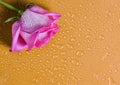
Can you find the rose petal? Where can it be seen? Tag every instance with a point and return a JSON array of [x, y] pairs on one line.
[[17, 41], [21, 44], [32, 21], [45, 37], [54, 16], [30, 39], [38, 9], [26, 36], [33, 39]]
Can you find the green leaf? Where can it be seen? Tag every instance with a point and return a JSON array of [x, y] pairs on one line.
[[10, 19]]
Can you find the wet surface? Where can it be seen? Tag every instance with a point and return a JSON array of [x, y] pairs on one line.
[[84, 52]]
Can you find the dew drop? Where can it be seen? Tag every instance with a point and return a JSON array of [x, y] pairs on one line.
[[82, 53], [105, 56], [101, 37], [54, 57], [111, 81], [78, 52], [72, 15], [52, 80], [61, 47], [96, 76], [6, 53]]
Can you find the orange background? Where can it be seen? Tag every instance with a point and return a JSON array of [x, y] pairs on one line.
[[85, 51]]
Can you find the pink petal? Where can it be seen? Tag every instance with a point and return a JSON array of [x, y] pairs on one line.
[[17, 41], [38, 9], [45, 37], [33, 38], [30, 39], [31, 21], [21, 44], [54, 16], [26, 36]]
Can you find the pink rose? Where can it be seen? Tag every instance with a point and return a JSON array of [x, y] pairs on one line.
[[34, 29]]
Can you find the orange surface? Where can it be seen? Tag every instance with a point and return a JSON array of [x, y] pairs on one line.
[[86, 50]]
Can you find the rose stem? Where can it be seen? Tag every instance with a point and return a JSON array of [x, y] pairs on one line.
[[9, 6]]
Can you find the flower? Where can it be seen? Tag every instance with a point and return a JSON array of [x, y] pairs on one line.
[[34, 29]]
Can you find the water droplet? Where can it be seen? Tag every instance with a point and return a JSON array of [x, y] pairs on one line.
[[115, 70], [111, 81], [105, 56], [68, 31], [81, 53], [72, 61], [31, 60], [47, 61], [58, 39], [62, 76], [64, 37], [68, 14], [50, 72], [55, 56], [61, 47], [119, 20], [88, 36], [52, 80], [53, 45], [80, 5], [35, 80], [85, 17], [96, 76], [62, 53], [106, 48], [17, 69], [65, 20], [78, 52], [38, 55], [72, 15], [101, 37], [88, 48], [91, 4], [6, 53], [72, 74], [27, 52], [19, 54], [55, 68]]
